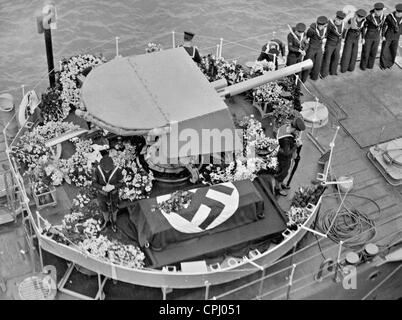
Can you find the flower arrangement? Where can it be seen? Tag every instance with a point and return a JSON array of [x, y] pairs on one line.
[[70, 69], [284, 113], [297, 215], [231, 71], [305, 195], [51, 104], [269, 92], [177, 201], [209, 68], [261, 67], [30, 150], [76, 169], [153, 47], [247, 164], [39, 187], [138, 183], [123, 155], [255, 139], [113, 251]]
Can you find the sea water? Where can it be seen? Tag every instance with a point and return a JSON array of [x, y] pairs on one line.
[[90, 26]]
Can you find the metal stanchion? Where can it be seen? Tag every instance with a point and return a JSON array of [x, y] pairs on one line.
[[173, 40], [117, 47]]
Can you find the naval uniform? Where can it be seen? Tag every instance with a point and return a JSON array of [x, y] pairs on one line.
[[330, 61], [295, 43], [372, 36], [287, 148], [392, 32], [100, 179], [314, 52], [194, 54], [271, 50], [350, 49]]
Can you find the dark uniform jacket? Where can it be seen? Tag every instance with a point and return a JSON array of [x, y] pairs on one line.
[[287, 147], [98, 181], [392, 27], [373, 26], [316, 36], [274, 47], [335, 33], [354, 28], [295, 43]]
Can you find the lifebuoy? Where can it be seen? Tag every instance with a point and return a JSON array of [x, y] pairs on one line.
[[27, 106]]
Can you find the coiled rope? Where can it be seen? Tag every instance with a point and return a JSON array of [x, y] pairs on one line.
[[347, 224]]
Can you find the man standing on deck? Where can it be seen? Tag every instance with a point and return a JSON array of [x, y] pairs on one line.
[[289, 140], [336, 32], [316, 34], [107, 179], [188, 46], [354, 29], [372, 32], [392, 31], [297, 44]]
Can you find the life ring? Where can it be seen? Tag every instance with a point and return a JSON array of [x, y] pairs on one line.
[[28, 104]]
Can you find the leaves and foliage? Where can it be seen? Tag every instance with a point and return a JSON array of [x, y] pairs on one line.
[[51, 105], [305, 195], [284, 113], [298, 212]]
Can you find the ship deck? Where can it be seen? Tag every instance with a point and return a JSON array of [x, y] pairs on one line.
[[356, 101]]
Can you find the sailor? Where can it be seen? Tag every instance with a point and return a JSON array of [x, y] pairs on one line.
[[336, 32], [392, 31], [354, 29], [188, 46], [288, 137], [316, 35], [297, 44], [271, 51], [372, 31], [107, 179]]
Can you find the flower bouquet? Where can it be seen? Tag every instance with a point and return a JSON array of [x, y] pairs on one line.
[[153, 47], [231, 71], [137, 183], [261, 67], [177, 201], [267, 96], [297, 216]]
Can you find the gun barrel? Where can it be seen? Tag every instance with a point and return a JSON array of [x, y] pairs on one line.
[[267, 77]]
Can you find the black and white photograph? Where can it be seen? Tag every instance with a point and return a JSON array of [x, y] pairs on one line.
[[206, 157]]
